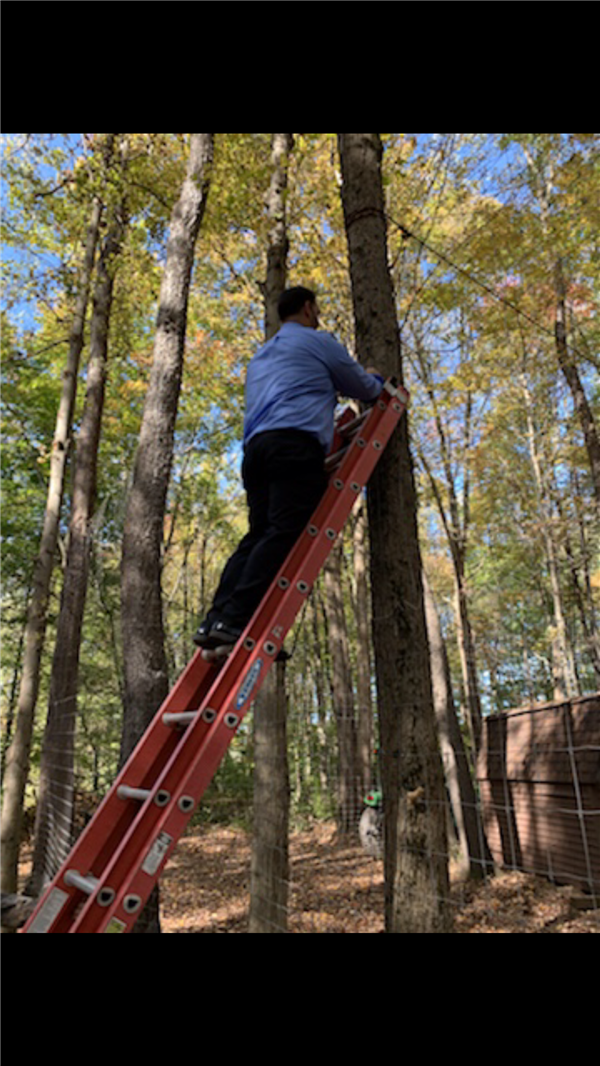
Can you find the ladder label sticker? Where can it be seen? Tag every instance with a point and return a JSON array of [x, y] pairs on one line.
[[49, 911], [248, 684], [115, 926], [157, 853]]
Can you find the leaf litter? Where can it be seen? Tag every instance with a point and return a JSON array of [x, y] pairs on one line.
[[336, 888]]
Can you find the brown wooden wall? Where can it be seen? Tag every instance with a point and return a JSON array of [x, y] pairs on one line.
[[539, 778]]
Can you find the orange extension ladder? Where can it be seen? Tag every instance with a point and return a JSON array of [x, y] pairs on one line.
[[119, 857]]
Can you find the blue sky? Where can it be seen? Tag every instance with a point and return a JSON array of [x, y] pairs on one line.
[[23, 313]]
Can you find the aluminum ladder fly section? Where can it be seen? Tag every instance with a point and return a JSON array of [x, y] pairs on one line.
[[119, 856]]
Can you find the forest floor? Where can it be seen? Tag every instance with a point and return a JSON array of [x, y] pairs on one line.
[[336, 888]]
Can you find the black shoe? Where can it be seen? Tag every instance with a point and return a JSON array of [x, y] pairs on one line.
[[221, 633], [201, 635], [214, 634]]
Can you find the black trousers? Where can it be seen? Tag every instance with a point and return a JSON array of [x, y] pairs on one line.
[[284, 478]]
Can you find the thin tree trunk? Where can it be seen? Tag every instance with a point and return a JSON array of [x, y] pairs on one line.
[[269, 867], [269, 872], [569, 369], [565, 678], [314, 649], [466, 644], [54, 816], [278, 244], [145, 664], [364, 734], [588, 595], [415, 864], [17, 758], [475, 854], [466, 649], [343, 696], [591, 637], [12, 699], [457, 531]]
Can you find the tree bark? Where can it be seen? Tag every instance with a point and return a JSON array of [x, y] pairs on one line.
[[563, 663], [269, 876], [476, 858], [591, 637], [54, 816], [145, 665], [364, 734], [343, 697], [278, 244], [415, 863], [326, 784], [457, 531], [17, 758], [569, 369], [466, 649], [269, 872]]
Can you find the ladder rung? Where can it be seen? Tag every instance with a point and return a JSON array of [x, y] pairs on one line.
[[349, 427], [127, 792], [179, 717], [85, 884], [348, 432], [333, 461]]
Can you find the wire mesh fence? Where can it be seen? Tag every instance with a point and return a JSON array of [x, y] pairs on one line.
[[530, 861], [535, 865]]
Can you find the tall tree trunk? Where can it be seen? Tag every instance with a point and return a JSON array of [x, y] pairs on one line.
[[269, 876], [476, 858], [590, 633], [456, 527], [466, 648], [17, 758], [278, 244], [343, 696], [324, 751], [415, 864], [54, 816], [563, 663], [457, 541], [269, 870], [590, 609], [14, 686], [569, 369], [145, 664], [364, 734], [542, 172]]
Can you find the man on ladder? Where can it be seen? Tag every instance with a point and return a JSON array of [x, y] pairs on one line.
[[291, 393]]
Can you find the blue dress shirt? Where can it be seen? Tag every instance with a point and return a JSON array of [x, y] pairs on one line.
[[293, 382]]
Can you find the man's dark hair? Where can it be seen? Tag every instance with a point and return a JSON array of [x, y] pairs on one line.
[[292, 301]]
